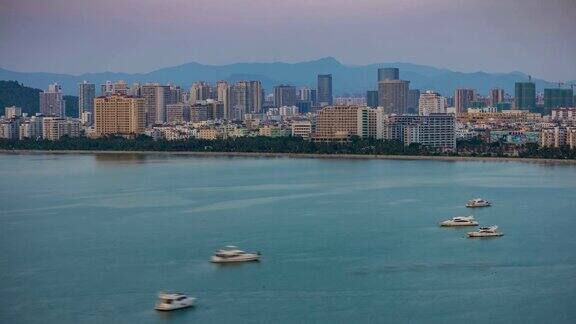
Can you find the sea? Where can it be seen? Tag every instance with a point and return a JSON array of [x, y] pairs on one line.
[[93, 238]]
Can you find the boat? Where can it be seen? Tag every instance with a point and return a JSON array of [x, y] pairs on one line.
[[460, 221], [491, 231], [477, 202], [231, 254], [173, 301]]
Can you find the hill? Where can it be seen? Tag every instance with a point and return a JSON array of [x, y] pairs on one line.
[[347, 79], [12, 93]]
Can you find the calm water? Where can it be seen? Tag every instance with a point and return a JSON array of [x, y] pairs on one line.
[[92, 239]]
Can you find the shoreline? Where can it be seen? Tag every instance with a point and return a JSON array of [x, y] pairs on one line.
[[301, 156]]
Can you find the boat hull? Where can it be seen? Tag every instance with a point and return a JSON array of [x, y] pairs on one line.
[[250, 258], [457, 224], [481, 235], [477, 206], [175, 306]]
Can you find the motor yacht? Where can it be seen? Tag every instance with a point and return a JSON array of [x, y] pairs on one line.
[[173, 301], [231, 254], [477, 202], [460, 221], [491, 231]]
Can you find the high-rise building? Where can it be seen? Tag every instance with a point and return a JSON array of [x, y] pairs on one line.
[[525, 96], [284, 95], [324, 93], [177, 113], [86, 95], [372, 98], [156, 97], [223, 96], [200, 91], [135, 90], [434, 130], [558, 98], [111, 88], [496, 96], [413, 98], [246, 98], [256, 97], [52, 101], [393, 96], [12, 112], [336, 123], [10, 129], [54, 128], [31, 128], [463, 99], [239, 100], [385, 74], [307, 94], [119, 115], [431, 102]]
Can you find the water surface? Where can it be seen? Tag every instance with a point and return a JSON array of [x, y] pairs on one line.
[[93, 238]]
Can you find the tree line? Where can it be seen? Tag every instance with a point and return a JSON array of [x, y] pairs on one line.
[[261, 144]]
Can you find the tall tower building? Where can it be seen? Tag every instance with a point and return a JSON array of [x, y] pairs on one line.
[[431, 102], [239, 100], [200, 91], [388, 74], [156, 97], [463, 99], [111, 88], [119, 115], [558, 98], [86, 95], [525, 96], [325, 97], [284, 95], [413, 99], [372, 98], [393, 96], [223, 96], [496, 96], [255, 96], [52, 101]]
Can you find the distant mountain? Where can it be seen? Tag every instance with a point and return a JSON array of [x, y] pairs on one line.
[[348, 79], [13, 93]]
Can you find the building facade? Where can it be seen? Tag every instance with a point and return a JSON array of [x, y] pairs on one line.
[[558, 98], [393, 96], [284, 95], [463, 99], [324, 93], [431, 102], [372, 98], [52, 101], [86, 95], [391, 73], [525, 96], [496, 96], [119, 115]]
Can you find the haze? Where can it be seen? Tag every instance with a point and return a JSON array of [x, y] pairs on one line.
[[70, 36]]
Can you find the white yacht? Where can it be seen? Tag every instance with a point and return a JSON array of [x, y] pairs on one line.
[[173, 301], [233, 254], [491, 231], [460, 221], [477, 202]]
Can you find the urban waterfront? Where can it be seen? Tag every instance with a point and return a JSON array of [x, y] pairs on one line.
[[94, 238]]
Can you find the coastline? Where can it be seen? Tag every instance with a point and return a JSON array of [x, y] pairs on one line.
[[302, 156]]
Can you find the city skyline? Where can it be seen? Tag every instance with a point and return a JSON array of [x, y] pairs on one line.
[[290, 32]]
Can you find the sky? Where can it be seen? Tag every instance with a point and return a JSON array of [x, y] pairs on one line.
[[536, 37]]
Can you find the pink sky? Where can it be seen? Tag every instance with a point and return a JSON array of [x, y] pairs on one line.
[[72, 36]]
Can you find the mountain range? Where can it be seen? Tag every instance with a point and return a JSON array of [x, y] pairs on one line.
[[347, 79]]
